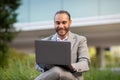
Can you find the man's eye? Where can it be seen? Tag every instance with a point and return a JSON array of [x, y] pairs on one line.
[[57, 23], [64, 22]]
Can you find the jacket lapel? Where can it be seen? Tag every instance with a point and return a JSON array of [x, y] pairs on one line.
[[72, 39], [54, 37]]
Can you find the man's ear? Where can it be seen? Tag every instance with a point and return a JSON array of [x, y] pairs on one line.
[[70, 22]]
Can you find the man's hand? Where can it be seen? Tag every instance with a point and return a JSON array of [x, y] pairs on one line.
[[73, 67]]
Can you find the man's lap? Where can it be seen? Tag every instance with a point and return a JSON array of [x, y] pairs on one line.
[[56, 73]]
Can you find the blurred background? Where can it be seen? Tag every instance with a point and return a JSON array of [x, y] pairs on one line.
[[98, 20]]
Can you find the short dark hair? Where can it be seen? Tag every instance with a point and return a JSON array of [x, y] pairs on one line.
[[63, 11]]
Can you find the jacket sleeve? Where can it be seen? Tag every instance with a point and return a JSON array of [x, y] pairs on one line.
[[83, 56], [38, 68]]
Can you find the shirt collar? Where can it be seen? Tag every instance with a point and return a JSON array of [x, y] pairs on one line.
[[65, 39]]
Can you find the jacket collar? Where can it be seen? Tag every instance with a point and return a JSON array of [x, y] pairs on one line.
[[71, 38]]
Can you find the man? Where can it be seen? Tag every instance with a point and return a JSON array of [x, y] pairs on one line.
[[79, 52]]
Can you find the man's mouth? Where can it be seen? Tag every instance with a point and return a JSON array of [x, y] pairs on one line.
[[59, 29]]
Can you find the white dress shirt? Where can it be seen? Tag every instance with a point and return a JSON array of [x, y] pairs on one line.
[[59, 39]]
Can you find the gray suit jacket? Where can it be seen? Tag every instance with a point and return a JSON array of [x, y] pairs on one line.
[[79, 52]]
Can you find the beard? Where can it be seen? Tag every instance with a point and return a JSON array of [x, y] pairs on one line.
[[60, 29]]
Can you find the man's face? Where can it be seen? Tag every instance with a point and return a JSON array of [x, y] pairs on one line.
[[62, 24]]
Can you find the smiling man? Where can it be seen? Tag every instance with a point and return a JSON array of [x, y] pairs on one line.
[[79, 52], [62, 23]]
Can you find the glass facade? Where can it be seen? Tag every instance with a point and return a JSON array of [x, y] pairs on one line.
[[44, 10]]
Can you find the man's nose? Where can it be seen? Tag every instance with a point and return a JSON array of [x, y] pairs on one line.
[[61, 25]]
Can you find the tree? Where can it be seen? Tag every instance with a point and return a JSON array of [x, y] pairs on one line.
[[8, 17]]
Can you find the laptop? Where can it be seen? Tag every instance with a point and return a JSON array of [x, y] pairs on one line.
[[53, 52]]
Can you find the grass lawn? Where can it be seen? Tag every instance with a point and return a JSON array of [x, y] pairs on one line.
[[21, 67]]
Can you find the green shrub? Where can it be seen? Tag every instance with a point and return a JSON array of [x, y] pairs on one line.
[[3, 54]]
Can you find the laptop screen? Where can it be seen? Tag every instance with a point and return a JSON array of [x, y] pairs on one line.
[[53, 52]]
